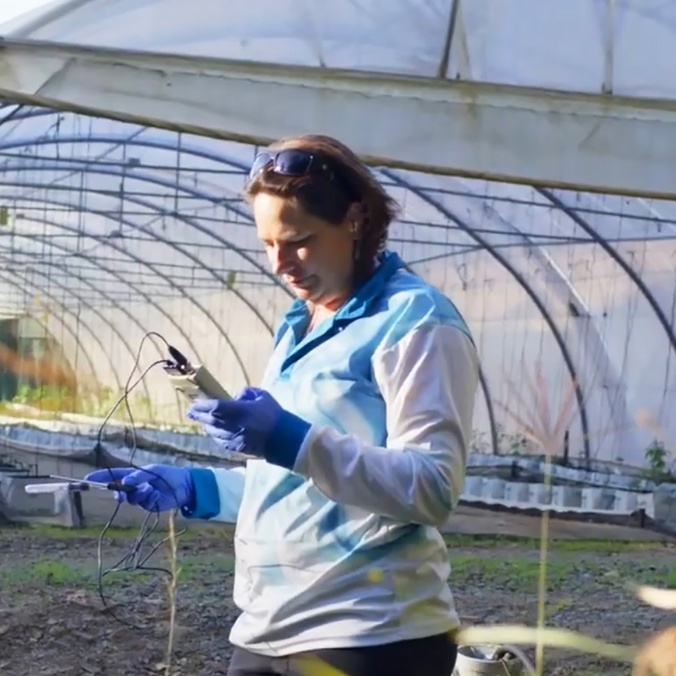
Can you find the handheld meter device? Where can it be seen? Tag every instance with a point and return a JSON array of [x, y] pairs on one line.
[[193, 381], [73, 484]]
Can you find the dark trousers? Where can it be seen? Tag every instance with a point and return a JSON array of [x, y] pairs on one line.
[[432, 656]]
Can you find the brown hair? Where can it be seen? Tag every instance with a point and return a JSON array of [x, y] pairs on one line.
[[330, 199]]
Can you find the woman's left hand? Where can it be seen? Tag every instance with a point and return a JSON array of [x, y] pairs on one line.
[[253, 422]]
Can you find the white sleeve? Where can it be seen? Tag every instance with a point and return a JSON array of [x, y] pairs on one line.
[[428, 380], [220, 499]]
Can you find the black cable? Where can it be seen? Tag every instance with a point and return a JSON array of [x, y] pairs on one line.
[[135, 559]]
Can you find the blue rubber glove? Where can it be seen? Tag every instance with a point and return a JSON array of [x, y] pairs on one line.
[[254, 423], [158, 487]]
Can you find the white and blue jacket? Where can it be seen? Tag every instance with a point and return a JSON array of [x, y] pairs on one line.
[[343, 549]]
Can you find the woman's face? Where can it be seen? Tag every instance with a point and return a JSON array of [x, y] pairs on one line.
[[314, 257]]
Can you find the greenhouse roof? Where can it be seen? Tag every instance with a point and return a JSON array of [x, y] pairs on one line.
[[475, 88]]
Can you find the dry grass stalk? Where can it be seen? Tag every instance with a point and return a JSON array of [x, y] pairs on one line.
[[549, 435], [172, 585], [657, 657]]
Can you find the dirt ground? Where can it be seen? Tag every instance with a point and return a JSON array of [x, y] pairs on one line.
[[51, 619]]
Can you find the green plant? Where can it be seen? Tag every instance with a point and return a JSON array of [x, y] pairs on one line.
[[509, 443], [656, 455], [514, 443], [480, 442], [45, 397], [45, 572]]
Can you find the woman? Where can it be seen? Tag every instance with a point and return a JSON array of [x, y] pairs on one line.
[[361, 430]]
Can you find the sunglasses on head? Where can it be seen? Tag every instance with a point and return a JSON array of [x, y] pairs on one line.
[[289, 162], [295, 162]]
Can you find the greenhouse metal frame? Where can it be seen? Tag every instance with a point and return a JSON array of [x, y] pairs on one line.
[[123, 156]]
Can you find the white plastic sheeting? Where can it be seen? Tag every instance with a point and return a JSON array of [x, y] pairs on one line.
[[439, 77], [574, 45]]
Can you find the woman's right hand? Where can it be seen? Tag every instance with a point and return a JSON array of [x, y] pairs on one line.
[[156, 487]]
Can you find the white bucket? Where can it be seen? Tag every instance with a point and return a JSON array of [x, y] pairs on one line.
[[487, 660]]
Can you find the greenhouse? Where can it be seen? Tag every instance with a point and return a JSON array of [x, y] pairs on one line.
[[534, 177]]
